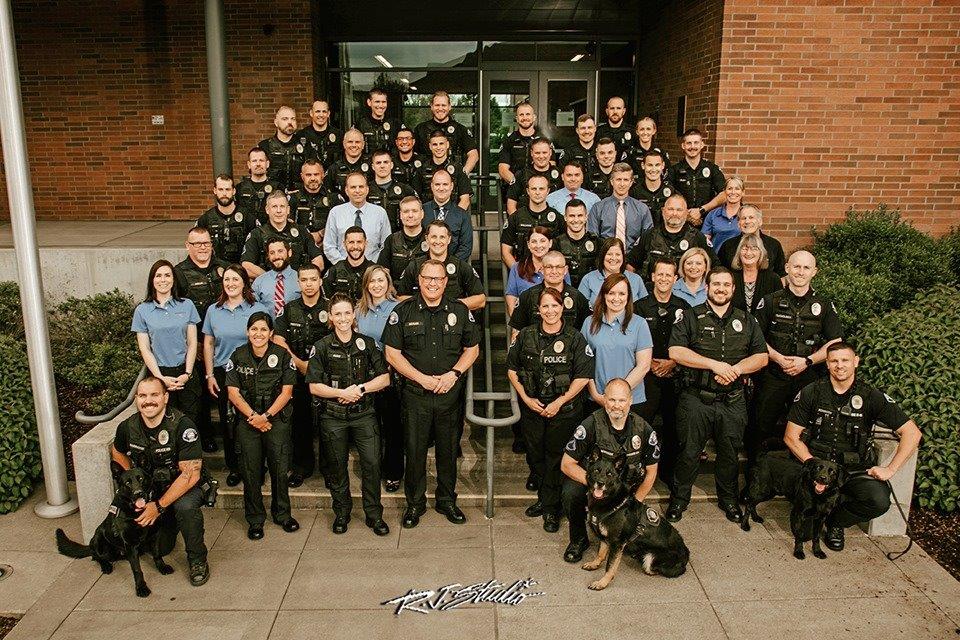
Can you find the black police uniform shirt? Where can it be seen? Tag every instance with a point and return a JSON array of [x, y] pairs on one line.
[[515, 149], [797, 325], [581, 254], [775, 255], [345, 278], [202, 285], [378, 134], [586, 156], [286, 159], [700, 184], [634, 157], [461, 181], [252, 196], [542, 354], [461, 142], [312, 209], [599, 182], [462, 279], [388, 196], [227, 232], [644, 439], [576, 307], [260, 379], [622, 137], [341, 364], [517, 227], [399, 250], [518, 190], [173, 441], [657, 242], [660, 317], [323, 146], [432, 338], [336, 179], [301, 325], [653, 199], [303, 248], [407, 171], [729, 338]]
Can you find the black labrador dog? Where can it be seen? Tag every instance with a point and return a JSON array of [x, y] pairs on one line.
[[119, 536], [627, 526], [813, 494]]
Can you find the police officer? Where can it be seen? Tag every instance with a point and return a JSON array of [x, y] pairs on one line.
[[798, 324], [646, 142], [440, 160], [718, 345], [548, 365], [612, 432], [227, 222], [583, 149], [539, 163], [462, 283], [536, 213], [463, 147], [575, 305], [165, 444], [353, 160], [252, 190], [616, 127], [578, 246], [302, 246], [310, 204], [259, 379], [833, 418], [285, 149], [378, 130], [406, 244], [652, 189], [385, 191], [515, 148], [667, 240], [406, 162], [278, 286], [431, 340], [346, 368], [598, 181], [661, 309], [346, 276], [323, 139], [700, 181]]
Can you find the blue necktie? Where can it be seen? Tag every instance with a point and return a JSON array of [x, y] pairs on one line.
[[356, 221]]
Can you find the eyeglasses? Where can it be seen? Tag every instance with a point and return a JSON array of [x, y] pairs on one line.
[[200, 244], [430, 279], [554, 267]]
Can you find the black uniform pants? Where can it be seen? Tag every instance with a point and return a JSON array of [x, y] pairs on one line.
[[697, 421], [188, 398], [184, 515], [303, 428], [862, 498], [429, 414], [774, 394], [336, 434], [228, 422], [387, 404], [546, 438], [662, 400], [575, 506], [276, 444]]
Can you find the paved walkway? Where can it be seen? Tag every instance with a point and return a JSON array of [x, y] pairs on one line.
[[313, 584]]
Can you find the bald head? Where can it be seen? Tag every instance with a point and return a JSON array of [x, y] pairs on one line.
[[285, 120], [617, 397], [801, 268], [802, 256]]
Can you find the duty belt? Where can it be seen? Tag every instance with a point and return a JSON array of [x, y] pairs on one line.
[[711, 397]]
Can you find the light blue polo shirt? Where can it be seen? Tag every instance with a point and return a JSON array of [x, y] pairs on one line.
[[693, 299], [166, 325], [616, 352], [228, 327], [590, 285], [372, 323], [265, 284]]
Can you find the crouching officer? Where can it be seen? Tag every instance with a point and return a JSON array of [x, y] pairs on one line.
[[833, 419], [346, 368], [259, 379], [549, 364], [165, 444], [610, 432], [719, 345]]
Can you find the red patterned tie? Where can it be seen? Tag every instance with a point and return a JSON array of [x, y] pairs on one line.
[[278, 299]]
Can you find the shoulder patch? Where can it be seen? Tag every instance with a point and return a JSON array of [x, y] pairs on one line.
[[653, 439], [280, 312], [470, 316], [889, 399], [588, 351], [190, 435], [313, 351], [571, 446], [652, 515], [229, 366], [580, 433], [678, 316], [394, 318], [293, 367], [760, 304], [797, 397]]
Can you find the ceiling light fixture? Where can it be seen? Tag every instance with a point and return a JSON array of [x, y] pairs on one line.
[[577, 58], [379, 58]]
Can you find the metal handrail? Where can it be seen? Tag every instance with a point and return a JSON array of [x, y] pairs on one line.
[[83, 418], [488, 395]]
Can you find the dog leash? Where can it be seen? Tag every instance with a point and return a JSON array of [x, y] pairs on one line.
[[894, 555]]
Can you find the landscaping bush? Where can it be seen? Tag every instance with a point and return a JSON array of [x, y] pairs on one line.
[[19, 443], [950, 244], [858, 296], [93, 348], [910, 354], [11, 315]]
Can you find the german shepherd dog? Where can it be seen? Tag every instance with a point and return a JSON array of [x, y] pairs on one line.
[[813, 496], [119, 536], [627, 526]]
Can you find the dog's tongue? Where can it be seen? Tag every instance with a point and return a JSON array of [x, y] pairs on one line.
[[819, 488], [598, 493], [140, 503]]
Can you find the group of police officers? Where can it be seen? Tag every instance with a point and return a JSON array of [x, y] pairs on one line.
[[717, 371]]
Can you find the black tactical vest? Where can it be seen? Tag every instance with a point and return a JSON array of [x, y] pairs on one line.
[[228, 233], [403, 250], [661, 246], [795, 330], [347, 364], [581, 255], [305, 326], [155, 450], [546, 362], [632, 447], [261, 379], [312, 209], [724, 341], [524, 220], [842, 434], [203, 286]]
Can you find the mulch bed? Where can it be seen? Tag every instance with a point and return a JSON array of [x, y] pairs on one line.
[[6, 625], [70, 399], [939, 535]]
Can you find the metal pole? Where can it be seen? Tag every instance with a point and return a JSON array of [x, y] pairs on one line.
[[217, 82], [20, 196]]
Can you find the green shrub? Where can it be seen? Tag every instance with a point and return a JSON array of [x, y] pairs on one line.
[[910, 354], [879, 243], [93, 348], [19, 442], [11, 315], [950, 246]]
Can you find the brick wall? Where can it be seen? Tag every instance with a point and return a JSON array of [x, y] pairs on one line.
[[828, 104], [680, 56], [93, 73]]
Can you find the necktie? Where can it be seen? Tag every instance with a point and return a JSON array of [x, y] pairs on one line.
[[356, 221], [441, 213], [621, 229], [572, 195], [278, 298]]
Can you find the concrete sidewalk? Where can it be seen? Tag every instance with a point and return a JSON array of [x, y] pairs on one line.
[[313, 584]]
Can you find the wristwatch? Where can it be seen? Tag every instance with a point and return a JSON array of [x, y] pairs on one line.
[[457, 372], [363, 390], [160, 507], [809, 361], [268, 415]]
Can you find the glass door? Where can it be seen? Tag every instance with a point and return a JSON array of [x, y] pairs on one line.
[[564, 97]]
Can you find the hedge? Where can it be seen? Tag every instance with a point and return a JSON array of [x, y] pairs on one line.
[[20, 463]]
